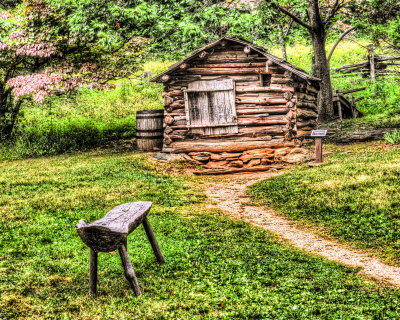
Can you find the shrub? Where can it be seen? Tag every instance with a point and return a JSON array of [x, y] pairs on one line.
[[393, 137]]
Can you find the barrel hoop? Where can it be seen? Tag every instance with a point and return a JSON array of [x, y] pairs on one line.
[[149, 131], [150, 111], [149, 117], [150, 138]]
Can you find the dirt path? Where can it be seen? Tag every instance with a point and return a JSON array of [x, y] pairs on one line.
[[229, 195]]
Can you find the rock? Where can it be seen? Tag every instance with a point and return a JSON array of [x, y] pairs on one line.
[[168, 156], [225, 156], [298, 155], [236, 164], [216, 164], [259, 151], [279, 153], [201, 159], [200, 154], [298, 150], [254, 162], [266, 161]]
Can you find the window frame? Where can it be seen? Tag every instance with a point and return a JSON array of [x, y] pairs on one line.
[[211, 86]]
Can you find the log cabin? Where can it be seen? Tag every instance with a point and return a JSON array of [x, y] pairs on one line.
[[233, 104]]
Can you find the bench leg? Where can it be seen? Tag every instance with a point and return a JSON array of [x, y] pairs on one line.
[[129, 272], [153, 241], [93, 273]]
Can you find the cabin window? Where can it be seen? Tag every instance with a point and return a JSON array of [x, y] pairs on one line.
[[210, 107], [265, 80]]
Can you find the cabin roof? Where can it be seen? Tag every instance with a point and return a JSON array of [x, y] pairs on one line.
[[261, 50]]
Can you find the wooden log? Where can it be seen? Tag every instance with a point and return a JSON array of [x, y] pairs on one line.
[[276, 129], [260, 100], [310, 123], [167, 140], [254, 122], [263, 89], [169, 120], [309, 105], [203, 54], [183, 80], [305, 96], [361, 64], [224, 71], [172, 93], [306, 114], [226, 54], [258, 115], [268, 95], [168, 130], [227, 146], [177, 103], [305, 86], [165, 78], [385, 58], [350, 91], [247, 50], [260, 109], [231, 65], [174, 112], [167, 101], [287, 81]]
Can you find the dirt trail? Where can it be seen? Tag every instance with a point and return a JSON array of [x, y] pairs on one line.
[[229, 195]]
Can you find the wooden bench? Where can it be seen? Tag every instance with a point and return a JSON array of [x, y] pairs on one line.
[[110, 233]]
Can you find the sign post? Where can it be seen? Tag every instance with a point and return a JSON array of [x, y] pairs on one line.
[[318, 135]]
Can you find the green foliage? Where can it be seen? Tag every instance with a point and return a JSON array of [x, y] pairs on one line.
[[87, 119], [393, 137], [215, 268], [354, 196], [378, 20], [381, 97]]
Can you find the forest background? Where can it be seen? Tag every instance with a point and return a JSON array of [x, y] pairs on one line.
[[74, 73]]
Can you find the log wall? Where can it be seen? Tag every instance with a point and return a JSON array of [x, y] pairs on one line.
[[271, 120]]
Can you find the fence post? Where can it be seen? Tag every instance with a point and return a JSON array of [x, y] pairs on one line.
[[371, 57]]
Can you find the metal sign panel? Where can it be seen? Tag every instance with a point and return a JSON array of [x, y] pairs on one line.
[[319, 133]]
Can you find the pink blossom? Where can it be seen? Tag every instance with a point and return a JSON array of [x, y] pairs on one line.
[[4, 15], [38, 84], [4, 46]]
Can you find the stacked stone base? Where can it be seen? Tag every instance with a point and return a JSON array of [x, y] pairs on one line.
[[251, 158]]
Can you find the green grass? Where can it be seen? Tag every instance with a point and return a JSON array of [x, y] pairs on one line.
[[215, 268], [354, 196]]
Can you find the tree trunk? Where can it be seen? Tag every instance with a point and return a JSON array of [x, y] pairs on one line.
[[321, 70], [283, 47], [9, 111], [321, 64]]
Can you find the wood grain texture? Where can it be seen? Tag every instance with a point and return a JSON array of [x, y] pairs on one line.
[[110, 232]]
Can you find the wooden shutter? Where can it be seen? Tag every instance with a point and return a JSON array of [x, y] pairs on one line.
[[210, 107]]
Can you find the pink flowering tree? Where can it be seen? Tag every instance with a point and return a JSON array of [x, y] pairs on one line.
[[50, 47]]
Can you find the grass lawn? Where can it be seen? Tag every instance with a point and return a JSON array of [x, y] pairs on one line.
[[354, 196], [215, 268]]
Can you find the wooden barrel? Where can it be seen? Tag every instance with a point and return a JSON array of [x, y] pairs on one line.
[[149, 130]]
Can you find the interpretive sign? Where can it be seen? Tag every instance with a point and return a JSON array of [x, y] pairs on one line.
[[319, 133]]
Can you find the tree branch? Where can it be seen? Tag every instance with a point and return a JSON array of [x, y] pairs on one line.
[[295, 18], [335, 8], [345, 33]]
